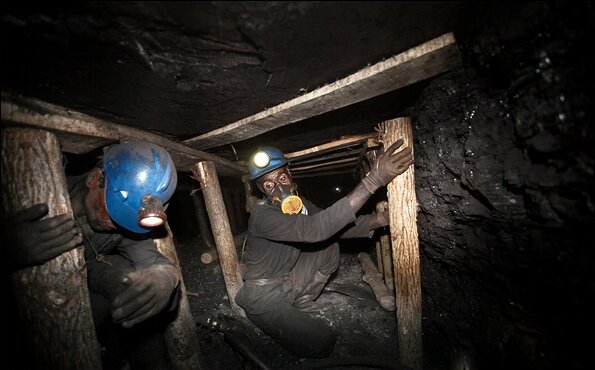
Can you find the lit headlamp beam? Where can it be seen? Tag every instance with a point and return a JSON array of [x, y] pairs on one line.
[[261, 159], [151, 213]]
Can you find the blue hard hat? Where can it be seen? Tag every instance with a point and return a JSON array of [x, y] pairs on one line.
[[265, 160], [133, 170]]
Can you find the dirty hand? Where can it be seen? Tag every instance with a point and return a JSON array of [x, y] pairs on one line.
[[33, 241], [148, 292], [380, 219], [388, 166]]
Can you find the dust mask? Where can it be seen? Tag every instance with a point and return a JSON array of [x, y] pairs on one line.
[[291, 203]]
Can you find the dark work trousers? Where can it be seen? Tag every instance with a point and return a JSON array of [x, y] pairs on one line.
[[270, 307], [143, 345]]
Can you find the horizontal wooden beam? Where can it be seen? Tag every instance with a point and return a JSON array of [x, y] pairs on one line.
[[424, 61], [322, 173], [80, 133], [333, 145], [332, 164], [349, 152]]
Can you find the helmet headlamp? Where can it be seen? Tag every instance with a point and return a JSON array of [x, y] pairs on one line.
[[140, 177], [151, 212], [265, 160], [261, 159]]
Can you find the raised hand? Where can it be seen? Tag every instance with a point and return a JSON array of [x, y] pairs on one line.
[[387, 166]]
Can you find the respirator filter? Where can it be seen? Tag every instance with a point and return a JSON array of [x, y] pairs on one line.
[[291, 205]]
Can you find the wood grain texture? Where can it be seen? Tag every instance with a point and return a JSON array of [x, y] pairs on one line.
[[374, 280], [180, 335], [224, 242], [80, 133], [386, 253], [405, 243], [52, 299], [424, 61]]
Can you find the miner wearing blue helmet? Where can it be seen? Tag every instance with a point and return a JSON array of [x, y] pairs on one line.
[[291, 248], [118, 207]]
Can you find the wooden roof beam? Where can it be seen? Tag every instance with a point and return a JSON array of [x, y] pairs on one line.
[[348, 152], [323, 173], [340, 163], [80, 133], [424, 61], [343, 142]]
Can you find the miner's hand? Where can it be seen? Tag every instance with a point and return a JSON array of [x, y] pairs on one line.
[[148, 293], [388, 166], [31, 240]]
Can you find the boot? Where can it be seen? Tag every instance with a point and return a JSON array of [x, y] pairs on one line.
[[305, 301]]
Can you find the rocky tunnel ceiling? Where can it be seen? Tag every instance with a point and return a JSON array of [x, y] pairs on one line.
[[182, 69]]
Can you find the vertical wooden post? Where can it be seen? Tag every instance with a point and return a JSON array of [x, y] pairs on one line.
[[180, 335], [239, 210], [386, 253], [251, 199], [227, 201], [405, 243], [203, 220], [379, 265], [52, 299], [374, 279], [210, 255], [228, 258]]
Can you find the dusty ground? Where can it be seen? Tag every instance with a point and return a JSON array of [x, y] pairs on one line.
[[365, 331]]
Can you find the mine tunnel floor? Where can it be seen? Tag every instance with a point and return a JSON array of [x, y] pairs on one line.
[[365, 331]]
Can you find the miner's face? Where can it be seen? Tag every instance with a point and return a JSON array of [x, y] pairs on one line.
[[276, 183], [95, 207]]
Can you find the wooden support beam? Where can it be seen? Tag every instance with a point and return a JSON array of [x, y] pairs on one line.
[[251, 198], [371, 156], [332, 164], [211, 255], [424, 61], [386, 253], [52, 299], [379, 265], [204, 228], [362, 158], [348, 152], [80, 133], [346, 167], [228, 258], [181, 339], [333, 145], [405, 243], [323, 173], [374, 279]]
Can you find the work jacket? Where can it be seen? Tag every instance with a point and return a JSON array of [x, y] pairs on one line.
[[275, 240]]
